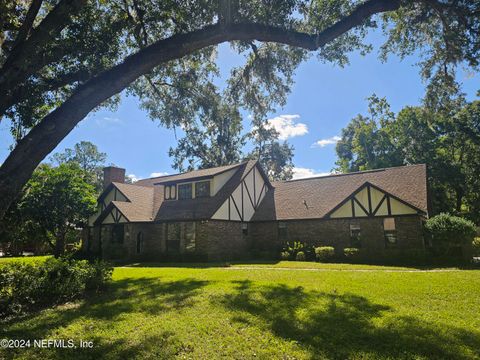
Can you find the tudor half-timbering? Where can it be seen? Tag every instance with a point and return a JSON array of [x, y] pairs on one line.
[[226, 212]]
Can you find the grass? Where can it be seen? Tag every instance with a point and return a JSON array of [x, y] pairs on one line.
[[251, 311]]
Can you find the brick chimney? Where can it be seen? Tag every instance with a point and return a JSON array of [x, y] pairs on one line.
[[113, 174]]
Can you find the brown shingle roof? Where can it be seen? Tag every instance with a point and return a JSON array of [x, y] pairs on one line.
[[140, 204], [187, 175], [286, 200]]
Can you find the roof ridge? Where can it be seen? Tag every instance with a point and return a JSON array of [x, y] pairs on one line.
[[134, 184], [352, 173], [186, 172]]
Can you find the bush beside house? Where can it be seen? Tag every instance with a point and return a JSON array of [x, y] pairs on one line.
[[450, 236]]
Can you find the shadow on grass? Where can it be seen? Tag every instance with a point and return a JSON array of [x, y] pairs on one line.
[[343, 326], [123, 297]]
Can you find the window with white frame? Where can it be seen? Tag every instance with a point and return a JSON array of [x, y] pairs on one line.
[[202, 188], [355, 235], [390, 232], [184, 191], [170, 192]]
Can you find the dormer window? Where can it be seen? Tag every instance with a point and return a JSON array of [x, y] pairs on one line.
[[170, 192], [202, 189], [184, 191]]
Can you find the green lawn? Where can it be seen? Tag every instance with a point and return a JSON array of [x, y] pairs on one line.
[[267, 311]]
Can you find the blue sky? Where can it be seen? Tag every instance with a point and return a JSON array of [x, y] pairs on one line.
[[323, 100]]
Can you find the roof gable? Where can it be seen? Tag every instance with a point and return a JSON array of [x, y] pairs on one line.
[[314, 198], [370, 200]]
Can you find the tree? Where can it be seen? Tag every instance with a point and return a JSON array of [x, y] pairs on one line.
[[216, 139], [447, 141], [366, 143], [60, 60], [86, 155], [58, 200], [274, 156]]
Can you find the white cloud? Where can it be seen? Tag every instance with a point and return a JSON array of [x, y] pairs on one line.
[[157, 174], [329, 141], [133, 177], [286, 126], [107, 121], [302, 173]]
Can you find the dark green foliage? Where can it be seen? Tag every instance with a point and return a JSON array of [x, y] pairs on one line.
[[28, 286], [476, 246], [325, 253], [291, 249], [300, 256], [87, 156], [446, 140], [53, 205], [447, 232]]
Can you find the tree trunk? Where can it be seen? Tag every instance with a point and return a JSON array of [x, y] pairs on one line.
[[44, 137], [60, 244]]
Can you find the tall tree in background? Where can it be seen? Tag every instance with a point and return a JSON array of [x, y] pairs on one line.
[[214, 139], [274, 156], [87, 156], [55, 202], [446, 138], [217, 138], [62, 59], [66, 201]]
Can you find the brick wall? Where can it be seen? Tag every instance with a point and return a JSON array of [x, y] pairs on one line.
[[222, 240], [216, 240], [264, 236]]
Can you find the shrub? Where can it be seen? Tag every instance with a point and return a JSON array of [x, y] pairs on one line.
[[448, 232], [476, 246], [351, 253], [300, 256], [324, 253], [285, 255], [292, 248], [27, 286]]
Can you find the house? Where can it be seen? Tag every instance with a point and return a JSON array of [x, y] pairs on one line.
[[229, 211]]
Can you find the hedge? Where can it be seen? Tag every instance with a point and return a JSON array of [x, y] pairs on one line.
[[28, 286]]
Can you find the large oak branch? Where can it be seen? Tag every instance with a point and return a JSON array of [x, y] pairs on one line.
[[24, 57], [44, 137]]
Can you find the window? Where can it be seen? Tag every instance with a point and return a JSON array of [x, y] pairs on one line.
[[282, 230], [140, 242], [244, 228], [170, 192], [184, 191], [118, 233], [355, 235], [390, 232], [173, 238], [189, 237], [202, 189]]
